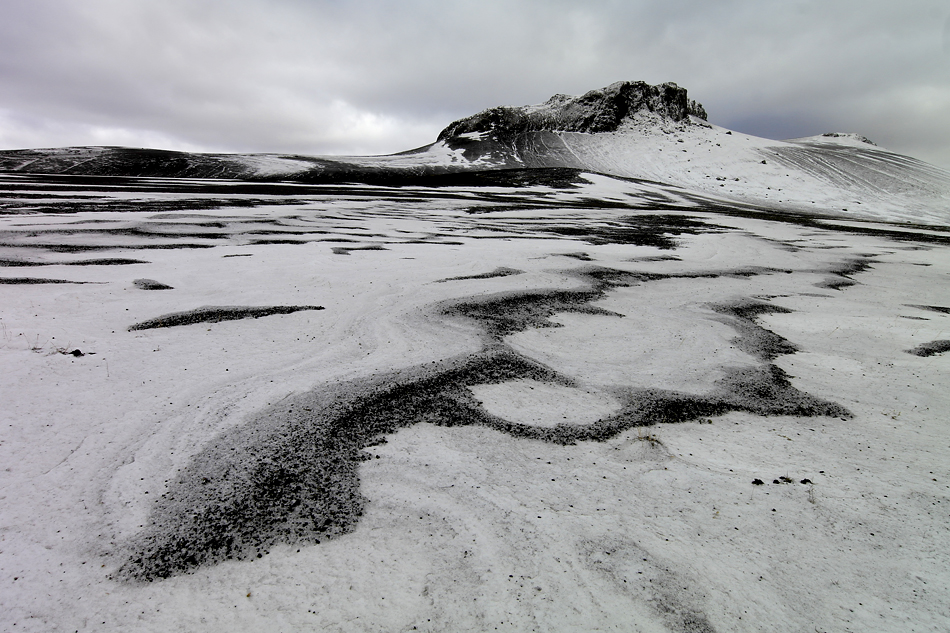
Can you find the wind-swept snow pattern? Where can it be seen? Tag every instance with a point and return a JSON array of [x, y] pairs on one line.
[[521, 379], [292, 478], [518, 402], [213, 314]]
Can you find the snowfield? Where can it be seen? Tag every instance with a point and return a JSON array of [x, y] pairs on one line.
[[592, 365], [525, 408]]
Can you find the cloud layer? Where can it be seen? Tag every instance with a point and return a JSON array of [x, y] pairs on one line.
[[379, 76]]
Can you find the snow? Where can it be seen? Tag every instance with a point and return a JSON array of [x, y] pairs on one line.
[[541, 404], [829, 179], [471, 527], [271, 164]]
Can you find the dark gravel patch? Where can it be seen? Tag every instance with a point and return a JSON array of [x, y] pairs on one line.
[[150, 284], [345, 250], [580, 256], [501, 271], [754, 339], [931, 349], [940, 309], [843, 272], [80, 248], [506, 313], [215, 314], [278, 241], [115, 261], [36, 280], [641, 230], [290, 475]]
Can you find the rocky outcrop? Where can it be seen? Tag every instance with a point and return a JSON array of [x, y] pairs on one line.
[[854, 137], [604, 110]]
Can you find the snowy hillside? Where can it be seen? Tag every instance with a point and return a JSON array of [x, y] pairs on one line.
[[629, 129], [669, 141]]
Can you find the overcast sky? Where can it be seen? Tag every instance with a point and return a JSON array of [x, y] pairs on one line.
[[380, 76]]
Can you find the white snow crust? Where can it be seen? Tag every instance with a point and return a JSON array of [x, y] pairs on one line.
[[468, 528]]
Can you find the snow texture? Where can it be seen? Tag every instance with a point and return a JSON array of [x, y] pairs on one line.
[[562, 381]]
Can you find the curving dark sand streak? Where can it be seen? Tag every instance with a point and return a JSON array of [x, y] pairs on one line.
[[215, 314], [291, 474]]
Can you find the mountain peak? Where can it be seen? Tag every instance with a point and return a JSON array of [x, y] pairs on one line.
[[603, 110]]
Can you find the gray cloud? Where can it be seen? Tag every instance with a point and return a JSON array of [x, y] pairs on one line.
[[374, 76]]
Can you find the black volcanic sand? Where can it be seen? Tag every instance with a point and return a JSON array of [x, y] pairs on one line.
[[150, 284], [113, 261], [931, 349], [345, 250], [940, 309], [501, 271], [639, 230], [37, 280], [215, 314], [80, 248], [291, 474], [843, 271]]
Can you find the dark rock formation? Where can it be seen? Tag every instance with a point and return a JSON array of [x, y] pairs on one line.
[[603, 110]]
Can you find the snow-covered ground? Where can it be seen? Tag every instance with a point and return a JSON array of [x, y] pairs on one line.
[[559, 324]]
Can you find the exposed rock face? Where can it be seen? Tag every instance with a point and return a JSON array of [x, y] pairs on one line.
[[603, 110], [855, 137]]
